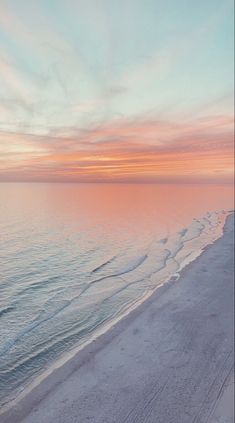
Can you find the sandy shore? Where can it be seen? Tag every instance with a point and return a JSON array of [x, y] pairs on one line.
[[223, 411], [169, 361]]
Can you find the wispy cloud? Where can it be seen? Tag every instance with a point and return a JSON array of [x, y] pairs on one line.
[[125, 151], [87, 94]]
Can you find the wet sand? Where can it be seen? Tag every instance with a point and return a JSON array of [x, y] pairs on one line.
[[169, 361]]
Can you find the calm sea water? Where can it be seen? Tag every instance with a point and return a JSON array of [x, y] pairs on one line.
[[74, 257]]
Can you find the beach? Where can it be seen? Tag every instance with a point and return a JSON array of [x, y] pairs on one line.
[[75, 271], [117, 211], [170, 360]]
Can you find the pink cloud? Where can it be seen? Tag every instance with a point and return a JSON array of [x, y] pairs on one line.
[[124, 151]]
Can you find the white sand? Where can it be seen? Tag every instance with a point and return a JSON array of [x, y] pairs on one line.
[[169, 361], [223, 411]]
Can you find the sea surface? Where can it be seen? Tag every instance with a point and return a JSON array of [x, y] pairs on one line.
[[75, 257]]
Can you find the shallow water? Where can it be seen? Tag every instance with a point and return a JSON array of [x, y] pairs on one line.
[[74, 257]]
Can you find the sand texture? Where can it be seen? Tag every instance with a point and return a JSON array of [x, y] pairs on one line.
[[169, 361]]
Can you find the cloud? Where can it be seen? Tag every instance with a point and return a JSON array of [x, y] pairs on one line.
[[67, 97], [125, 151]]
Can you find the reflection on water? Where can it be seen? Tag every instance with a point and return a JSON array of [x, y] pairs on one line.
[[75, 256]]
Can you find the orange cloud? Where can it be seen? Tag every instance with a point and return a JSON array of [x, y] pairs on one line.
[[125, 151]]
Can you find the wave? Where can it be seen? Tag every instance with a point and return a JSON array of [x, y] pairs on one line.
[[101, 266], [133, 271], [125, 268], [43, 317], [6, 310], [47, 314], [82, 308]]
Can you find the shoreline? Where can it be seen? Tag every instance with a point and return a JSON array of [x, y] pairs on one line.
[[71, 353], [35, 395], [161, 278]]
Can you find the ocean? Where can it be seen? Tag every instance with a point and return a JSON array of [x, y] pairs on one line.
[[74, 258]]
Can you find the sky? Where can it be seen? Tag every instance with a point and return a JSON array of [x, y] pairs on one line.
[[116, 90]]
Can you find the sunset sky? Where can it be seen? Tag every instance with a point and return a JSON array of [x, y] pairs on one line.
[[116, 90]]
